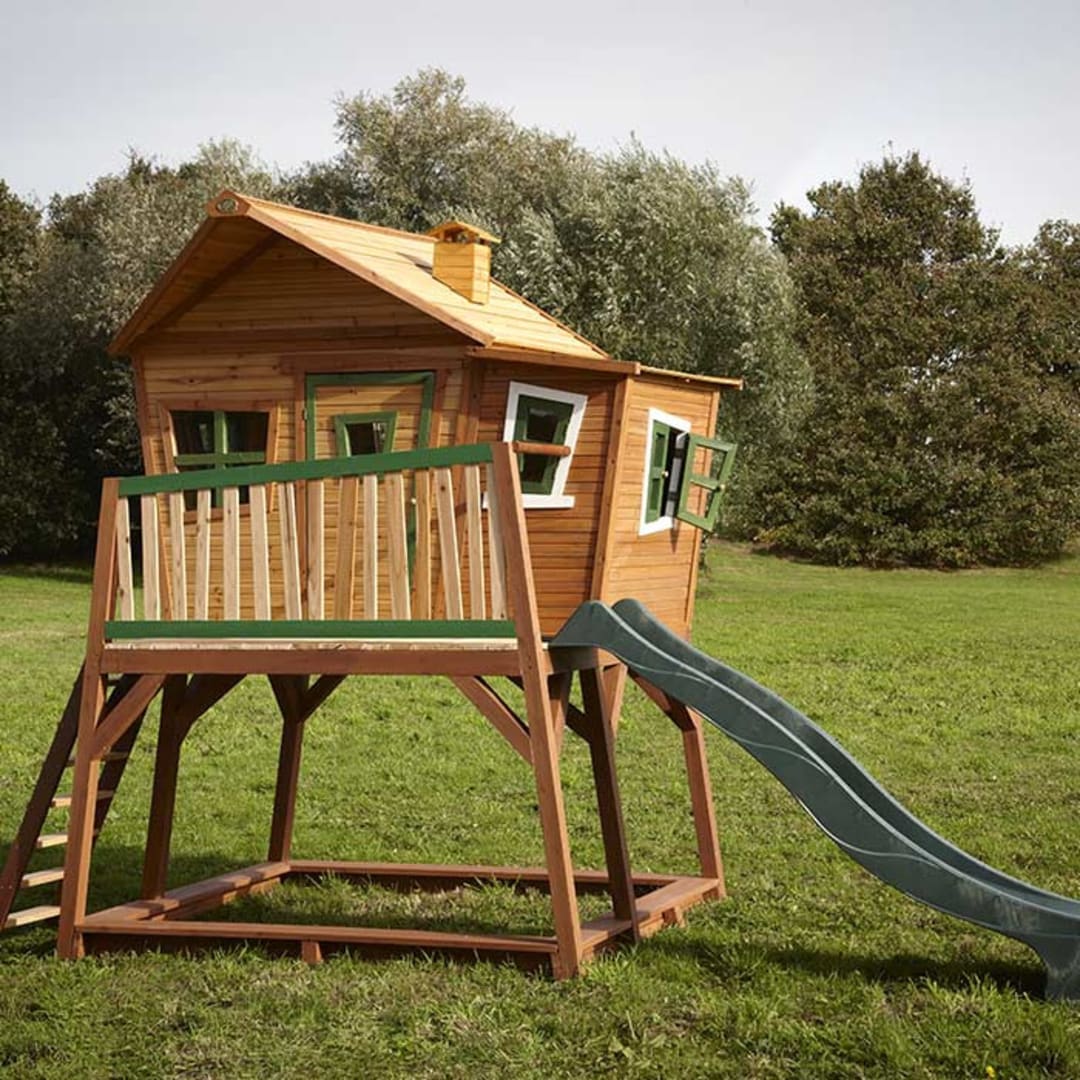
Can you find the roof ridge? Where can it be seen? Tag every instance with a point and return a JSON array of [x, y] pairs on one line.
[[367, 226]]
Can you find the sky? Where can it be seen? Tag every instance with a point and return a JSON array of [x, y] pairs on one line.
[[785, 95]]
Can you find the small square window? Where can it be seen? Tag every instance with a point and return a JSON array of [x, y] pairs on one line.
[[364, 433], [544, 414], [218, 439]]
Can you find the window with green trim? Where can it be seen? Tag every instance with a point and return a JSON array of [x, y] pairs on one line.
[[218, 439], [540, 420], [544, 414], [667, 441], [364, 433]]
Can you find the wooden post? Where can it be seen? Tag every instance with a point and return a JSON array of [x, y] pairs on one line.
[[163, 797], [597, 702], [289, 691], [701, 802], [85, 781], [521, 588]]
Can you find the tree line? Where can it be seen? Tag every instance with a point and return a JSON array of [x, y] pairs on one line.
[[912, 385]]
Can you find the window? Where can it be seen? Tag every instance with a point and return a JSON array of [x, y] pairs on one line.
[[544, 415], [667, 440], [365, 433], [215, 439]]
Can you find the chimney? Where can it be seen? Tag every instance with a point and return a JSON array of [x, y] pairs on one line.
[[463, 259]]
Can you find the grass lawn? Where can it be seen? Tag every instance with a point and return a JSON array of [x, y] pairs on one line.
[[960, 692]]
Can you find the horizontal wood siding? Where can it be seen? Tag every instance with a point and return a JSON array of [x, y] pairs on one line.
[[252, 339], [656, 569], [563, 542]]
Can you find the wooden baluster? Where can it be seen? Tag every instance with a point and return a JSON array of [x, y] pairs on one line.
[[475, 532], [125, 596], [260, 552], [422, 563], [448, 545], [371, 547], [202, 555], [397, 535], [151, 558], [290, 552], [496, 551], [178, 553], [345, 571], [230, 554], [316, 561]]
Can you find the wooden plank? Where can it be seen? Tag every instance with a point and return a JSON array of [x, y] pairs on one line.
[[316, 551], [450, 562], [422, 563], [597, 707], [475, 537], [31, 915], [538, 713], [290, 551], [288, 770], [151, 557], [497, 553], [400, 606], [37, 878], [345, 567], [231, 552], [178, 556], [125, 596], [260, 553], [371, 547], [202, 555], [605, 540], [701, 802]]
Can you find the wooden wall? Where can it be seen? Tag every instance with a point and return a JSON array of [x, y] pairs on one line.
[[659, 569]]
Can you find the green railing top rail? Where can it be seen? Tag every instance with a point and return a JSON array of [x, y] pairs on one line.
[[322, 469]]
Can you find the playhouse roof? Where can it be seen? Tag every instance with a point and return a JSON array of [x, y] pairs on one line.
[[398, 262]]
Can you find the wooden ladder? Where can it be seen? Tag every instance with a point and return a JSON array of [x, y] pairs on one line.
[[31, 838]]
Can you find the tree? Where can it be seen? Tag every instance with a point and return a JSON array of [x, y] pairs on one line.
[[651, 258], [936, 436], [68, 413]]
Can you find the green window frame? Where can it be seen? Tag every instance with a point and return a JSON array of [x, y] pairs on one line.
[[660, 463], [219, 433], [343, 439], [538, 470], [714, 482]]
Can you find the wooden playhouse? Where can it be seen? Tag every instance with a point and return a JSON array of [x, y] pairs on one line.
[[364, 455]]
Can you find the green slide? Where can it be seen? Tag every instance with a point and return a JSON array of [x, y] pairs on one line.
[[846, 803]]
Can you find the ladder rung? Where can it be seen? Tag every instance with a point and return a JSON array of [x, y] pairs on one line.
[[61, 802], [41, 877], [54, 839], [112, 755], [31, 915]]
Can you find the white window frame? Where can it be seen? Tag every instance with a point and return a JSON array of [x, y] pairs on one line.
[[557, 499], [666, 521]]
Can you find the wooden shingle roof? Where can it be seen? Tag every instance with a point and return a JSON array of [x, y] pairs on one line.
[[398, 262]]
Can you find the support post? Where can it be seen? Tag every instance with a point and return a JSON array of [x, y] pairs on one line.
[[539, 715], [597, 699], [171, 735], [289, 691]]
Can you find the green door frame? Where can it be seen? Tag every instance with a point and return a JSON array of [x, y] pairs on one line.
[[426, 379]]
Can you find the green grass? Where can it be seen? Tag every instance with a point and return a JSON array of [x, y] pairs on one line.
[[960, 692]]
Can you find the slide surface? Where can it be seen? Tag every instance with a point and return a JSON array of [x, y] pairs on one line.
[[846, 803]]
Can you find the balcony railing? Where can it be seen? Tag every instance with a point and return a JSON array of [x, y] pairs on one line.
[[420, 544]]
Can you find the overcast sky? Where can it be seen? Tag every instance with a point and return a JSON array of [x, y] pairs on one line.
[[784, 94]]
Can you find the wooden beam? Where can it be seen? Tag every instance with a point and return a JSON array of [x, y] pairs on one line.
[[489, 704]]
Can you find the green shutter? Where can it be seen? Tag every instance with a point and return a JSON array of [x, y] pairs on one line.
[[714, 485], [658, 459], [538, 470]]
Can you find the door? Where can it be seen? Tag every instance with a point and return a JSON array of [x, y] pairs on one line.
[[372, 412], [352, 413]]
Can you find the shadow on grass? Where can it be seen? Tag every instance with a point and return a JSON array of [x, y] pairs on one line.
[[895, 968]]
